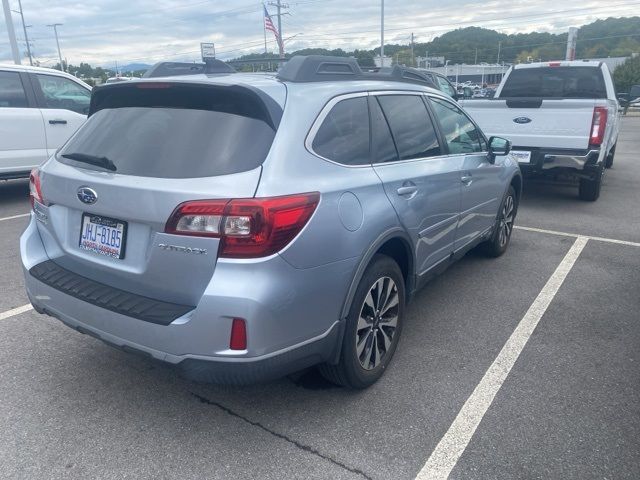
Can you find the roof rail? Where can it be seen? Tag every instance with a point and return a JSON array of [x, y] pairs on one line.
[[174, 69], [320, 68]]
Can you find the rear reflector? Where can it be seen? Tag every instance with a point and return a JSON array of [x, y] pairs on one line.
[[598, 126], [247, 228], [238, 339]]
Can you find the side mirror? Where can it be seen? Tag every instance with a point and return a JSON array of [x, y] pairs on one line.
[[498, 147]]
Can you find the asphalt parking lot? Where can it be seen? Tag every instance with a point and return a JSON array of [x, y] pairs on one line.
[[560, 400]]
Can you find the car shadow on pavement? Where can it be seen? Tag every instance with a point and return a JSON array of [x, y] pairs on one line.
[[13, 190]]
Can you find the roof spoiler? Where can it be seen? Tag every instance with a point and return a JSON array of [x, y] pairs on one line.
[[175, 69], [321, 68]]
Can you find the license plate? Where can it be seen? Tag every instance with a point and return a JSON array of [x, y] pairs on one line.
[[522, 156], [103, 235]]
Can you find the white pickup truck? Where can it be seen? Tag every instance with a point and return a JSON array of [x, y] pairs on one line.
[[562, 119]]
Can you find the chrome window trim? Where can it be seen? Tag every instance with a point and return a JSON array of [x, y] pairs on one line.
[[317, 123]]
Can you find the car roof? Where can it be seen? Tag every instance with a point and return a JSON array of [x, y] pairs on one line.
[[276, 88], [48, 71], [559, 63]]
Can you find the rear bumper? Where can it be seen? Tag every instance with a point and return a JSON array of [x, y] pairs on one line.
[[220, 370], [548, 159], [292, 317]]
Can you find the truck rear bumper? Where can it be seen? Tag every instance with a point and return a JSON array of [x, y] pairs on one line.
[[570, 160], [545, 160]]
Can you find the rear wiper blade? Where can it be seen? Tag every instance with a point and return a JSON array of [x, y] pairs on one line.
[[103, 162]]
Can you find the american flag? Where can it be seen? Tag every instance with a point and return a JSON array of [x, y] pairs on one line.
[[268, 24]]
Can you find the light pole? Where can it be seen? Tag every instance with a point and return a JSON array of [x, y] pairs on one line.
[[55, 30], [382, 33], [12, 33], [26, 37]]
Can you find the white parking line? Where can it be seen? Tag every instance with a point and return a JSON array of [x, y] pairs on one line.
[[15, 216], [454, 442], [15, 311], [576, 235]]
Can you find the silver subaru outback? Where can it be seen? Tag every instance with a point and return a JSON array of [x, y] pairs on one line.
[[242, 227]]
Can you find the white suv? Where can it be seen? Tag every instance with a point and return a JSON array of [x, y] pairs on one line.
[[39, 110]]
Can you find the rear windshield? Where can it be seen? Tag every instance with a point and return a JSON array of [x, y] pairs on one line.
[[176, 132], [555, 82]]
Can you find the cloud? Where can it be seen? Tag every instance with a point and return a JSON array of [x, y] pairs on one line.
[[147, 31]]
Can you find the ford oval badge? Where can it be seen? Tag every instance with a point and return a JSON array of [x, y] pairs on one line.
[[522, 120], [87, 195]]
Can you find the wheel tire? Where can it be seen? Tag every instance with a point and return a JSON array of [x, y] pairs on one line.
[[608, 163], [589, 189], [499, 241], [369, 328]]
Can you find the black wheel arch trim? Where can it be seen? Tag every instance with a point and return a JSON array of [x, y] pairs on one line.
[[383, 238]]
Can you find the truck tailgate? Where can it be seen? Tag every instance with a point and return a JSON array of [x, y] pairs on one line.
[[534, 122]]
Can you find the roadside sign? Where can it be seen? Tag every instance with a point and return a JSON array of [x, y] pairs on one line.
[[208, 50]]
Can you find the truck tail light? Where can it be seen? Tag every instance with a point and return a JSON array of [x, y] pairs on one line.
[[247, 228], [35, 188], [598, 126]]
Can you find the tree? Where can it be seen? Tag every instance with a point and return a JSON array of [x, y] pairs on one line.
[[627, 74]]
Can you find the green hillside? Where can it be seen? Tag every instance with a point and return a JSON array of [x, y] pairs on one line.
[[603, 38]]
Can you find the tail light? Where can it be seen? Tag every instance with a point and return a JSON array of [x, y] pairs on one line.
[[35, 188], [238, 340], [598, 126], [247, 228]]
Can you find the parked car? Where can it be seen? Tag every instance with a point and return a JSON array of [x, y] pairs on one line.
[[562, 118], [630, 100], [242, 227], [39, 110], [443, 84]]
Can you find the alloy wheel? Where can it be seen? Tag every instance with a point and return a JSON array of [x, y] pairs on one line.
[[377, 323], [506, 221]]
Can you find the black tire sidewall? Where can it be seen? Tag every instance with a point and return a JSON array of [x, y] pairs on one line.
[[358, 377], [494, 248]]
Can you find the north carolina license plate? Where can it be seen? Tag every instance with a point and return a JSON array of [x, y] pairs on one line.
[[522, 156], [103, 235]]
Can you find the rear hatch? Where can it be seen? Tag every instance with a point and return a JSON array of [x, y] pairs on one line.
[[146, 148], [545, 107]]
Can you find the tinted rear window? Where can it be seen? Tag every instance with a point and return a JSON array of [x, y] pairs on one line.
[[11, 91], [555, 82], [175, 132], [344, 134]]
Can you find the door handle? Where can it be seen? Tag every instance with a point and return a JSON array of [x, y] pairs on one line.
[[466, 179], [407, 191], [57, 122]]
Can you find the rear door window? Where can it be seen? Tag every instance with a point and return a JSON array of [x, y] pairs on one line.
[[12, 93], [344, 134], [173, 132], [411, 126], [384, 148], [555, 82], [64, 94]]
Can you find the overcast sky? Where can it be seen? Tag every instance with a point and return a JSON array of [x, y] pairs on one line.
[[102, 32]]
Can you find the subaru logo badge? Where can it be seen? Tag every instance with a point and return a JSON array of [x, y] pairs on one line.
[[87, 195], [522, 120]]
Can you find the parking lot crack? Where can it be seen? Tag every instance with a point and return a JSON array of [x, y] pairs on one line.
[[297, 444]]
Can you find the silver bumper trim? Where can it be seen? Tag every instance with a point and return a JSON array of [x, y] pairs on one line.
[[570, 161]]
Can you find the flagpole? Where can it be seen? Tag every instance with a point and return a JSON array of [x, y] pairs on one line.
[[264, 29]]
